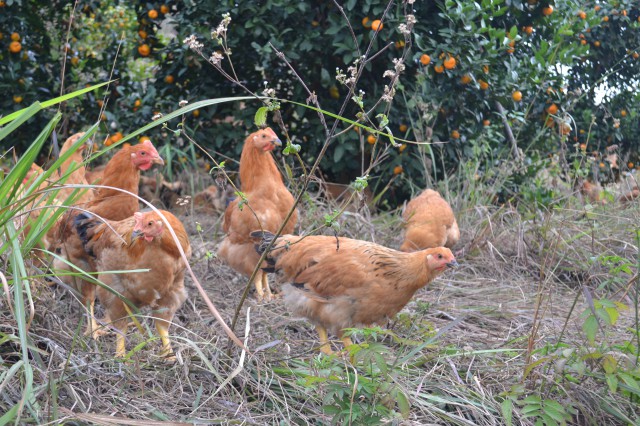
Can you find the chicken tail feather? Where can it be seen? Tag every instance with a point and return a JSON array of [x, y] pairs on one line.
[[83, 223]]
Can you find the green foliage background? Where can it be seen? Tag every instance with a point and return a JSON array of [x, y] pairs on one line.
[[553, 60]]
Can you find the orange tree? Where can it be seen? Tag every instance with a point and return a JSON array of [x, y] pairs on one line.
[[540, 67], [480, 54]]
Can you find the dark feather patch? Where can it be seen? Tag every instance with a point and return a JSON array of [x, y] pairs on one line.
[[83, 222], [299, 286]]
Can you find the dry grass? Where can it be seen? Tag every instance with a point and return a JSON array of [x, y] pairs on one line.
[[513, 294]]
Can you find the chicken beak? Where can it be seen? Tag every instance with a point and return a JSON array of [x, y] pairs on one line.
[[277, 142], [158, 160], [136, 234], [453, 264]]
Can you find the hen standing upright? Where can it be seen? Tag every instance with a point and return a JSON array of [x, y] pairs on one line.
[[429, 223], [122, 171], [140, 242], [346, 283], [267, 203]]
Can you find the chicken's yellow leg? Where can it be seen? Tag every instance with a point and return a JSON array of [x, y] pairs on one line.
[[257, 281], [347, 342], [324, 340], [163, 331], [265, 286], [92, 324], [120, 348]]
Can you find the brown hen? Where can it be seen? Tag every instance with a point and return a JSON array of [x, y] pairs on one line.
[[267, 203], [142, 241], [343, 283], [430, 222]]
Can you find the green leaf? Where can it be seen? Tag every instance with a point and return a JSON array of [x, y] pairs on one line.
[[612, 382], [609, 364], [403, 404], [260, 118], [507, 411], [590, 327]]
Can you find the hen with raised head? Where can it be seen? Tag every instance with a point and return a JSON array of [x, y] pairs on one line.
[[142, 241], [266, 205], [342, 283], [429, 222], [123, 172]]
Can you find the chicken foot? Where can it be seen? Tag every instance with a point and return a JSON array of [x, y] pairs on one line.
[[263, 291]]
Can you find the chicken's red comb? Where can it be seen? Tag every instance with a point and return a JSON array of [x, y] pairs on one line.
[[147, 144], [271, 132]]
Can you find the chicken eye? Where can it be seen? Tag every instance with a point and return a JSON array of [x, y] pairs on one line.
[[439, 256], [143, 153], [150, 224]]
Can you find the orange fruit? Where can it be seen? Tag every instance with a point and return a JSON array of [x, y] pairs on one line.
[[116, 137], [583, 42], [17, 99], [486, 123], [103, 117], [15, 47], [137, 103], [143, 138], [623, 113], [371, 139], [153, 14], [439, 69], [547, 10], [528, 30], [483, 84], [400, 44], [597, 8], [583, 147], [315, 23], [630, 165], [376, 25], [144, 50], [596, 43], [15, 37], [565, 129], [365, 22], [164, 9], [142, 34], [601, 165], [425, 59], [404, 146], [516, 96], [582, 14], [397, 170], [605, 19], [74, 61], [552, 109], [485, 69], [616, 125], [450, 63], [455, 134], [624, 12], [196, 113], [403, 128], [635, 55], [465, 79], [100, 102], [169, 79]]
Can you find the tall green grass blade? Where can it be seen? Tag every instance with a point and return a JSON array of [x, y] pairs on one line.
[[19, 285], [50, 102]]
